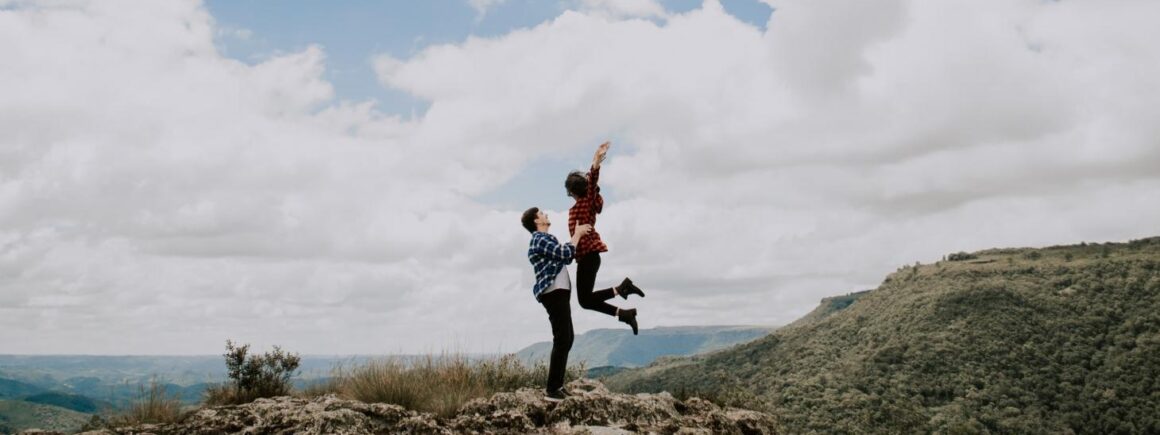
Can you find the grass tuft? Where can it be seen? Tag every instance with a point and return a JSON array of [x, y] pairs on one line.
[[439, 385], [153, 405]]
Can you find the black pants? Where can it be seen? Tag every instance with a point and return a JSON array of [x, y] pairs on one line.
[[586, 268], [558, 305]]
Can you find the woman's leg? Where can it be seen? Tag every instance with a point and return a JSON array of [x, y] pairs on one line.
[[586, 269]]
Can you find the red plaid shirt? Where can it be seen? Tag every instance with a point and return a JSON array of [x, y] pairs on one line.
[[584, 212]]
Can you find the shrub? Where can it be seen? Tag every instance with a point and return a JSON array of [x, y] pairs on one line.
[[961, 256], [253, 376]]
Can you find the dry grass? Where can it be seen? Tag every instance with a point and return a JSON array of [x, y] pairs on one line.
[[152, 405], [439, 385]]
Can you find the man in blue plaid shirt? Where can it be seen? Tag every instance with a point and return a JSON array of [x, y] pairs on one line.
[[553, 289]]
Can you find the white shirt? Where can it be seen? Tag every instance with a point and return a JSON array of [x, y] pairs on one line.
[[562, 281]]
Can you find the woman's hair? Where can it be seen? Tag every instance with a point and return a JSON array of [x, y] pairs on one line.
[[529, 219], [577, 184]]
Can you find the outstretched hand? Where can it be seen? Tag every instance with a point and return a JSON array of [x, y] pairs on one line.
[[601, 152]]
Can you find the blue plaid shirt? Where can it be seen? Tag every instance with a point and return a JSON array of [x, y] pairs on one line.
[[548, 256]]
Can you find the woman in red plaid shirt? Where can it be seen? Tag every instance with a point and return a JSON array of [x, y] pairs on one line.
[[589, 203]]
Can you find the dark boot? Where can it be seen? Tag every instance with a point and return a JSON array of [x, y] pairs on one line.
[[629, 316], [627, 288], [556, 396]]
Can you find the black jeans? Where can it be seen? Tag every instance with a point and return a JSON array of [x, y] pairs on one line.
[[586, 268], [558, 304]]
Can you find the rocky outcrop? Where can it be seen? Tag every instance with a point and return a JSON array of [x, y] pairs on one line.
[[592, 409]]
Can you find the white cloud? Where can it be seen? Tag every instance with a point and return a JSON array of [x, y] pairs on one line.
[[816, 157], [156, 197], [151, 188], [482, 6], [621, 9]]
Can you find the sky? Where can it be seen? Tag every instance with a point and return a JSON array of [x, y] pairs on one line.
[[347, 177]]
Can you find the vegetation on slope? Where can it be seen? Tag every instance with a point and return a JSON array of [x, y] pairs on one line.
[[1060, 339], [18, 415]]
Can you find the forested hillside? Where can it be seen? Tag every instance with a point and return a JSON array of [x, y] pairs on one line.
[[1048, 340]]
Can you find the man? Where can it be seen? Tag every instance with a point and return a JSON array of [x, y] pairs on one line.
[[589, 203], [553, 290]]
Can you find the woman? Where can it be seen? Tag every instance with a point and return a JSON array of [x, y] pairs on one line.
[[589, 203]]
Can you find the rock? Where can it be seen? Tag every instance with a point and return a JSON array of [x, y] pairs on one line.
[[593, 404], [592, 409]]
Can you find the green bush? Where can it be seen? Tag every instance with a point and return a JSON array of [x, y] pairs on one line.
[[961, 256], [253, 376]]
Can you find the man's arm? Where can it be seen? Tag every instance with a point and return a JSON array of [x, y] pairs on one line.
[[551, 248]]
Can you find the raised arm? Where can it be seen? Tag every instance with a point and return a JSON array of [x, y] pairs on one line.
[[601, 152], [593, 193]]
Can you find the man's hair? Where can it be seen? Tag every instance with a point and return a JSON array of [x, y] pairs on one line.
[[577, 184], [529, 219]]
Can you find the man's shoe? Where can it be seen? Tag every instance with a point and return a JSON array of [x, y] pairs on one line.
[[556, 396], [628, 316], [564, 392], [627, 288]]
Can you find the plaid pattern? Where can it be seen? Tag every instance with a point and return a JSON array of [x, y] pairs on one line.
[[584, 212], [548, 256]]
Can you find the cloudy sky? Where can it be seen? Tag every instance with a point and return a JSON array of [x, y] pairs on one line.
[[348, 178]]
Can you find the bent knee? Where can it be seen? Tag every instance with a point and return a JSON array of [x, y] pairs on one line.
[[588, 302]]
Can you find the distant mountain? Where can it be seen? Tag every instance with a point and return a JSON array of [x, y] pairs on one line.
[[18, 415], [66, 372], [1063, 339], [80, 373], [12, 389], [619, 348]]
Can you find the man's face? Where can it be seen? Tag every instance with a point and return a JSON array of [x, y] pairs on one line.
[[542, 220]]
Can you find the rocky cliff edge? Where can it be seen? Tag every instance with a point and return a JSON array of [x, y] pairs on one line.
[[592, 409]]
